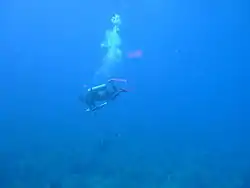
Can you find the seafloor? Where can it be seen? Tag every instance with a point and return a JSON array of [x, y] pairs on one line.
[[119, 162]]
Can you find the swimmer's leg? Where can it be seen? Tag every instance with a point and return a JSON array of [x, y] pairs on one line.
[[116, 94], [117, 80], [112, 85], [90, 107], [97, 107]]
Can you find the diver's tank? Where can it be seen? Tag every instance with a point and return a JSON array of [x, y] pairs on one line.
[[98, 88]]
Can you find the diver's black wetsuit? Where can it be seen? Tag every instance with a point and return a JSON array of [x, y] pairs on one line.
[[102, 93]]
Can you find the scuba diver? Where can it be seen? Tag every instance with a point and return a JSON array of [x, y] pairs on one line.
[[101, 94]]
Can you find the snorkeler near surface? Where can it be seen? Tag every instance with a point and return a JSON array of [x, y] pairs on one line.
[[112, 45], [99, 96]]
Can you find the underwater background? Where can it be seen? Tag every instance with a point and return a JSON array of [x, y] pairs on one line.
[[183, 124]]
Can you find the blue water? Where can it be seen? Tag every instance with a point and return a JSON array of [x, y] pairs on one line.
[[183, 124]]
